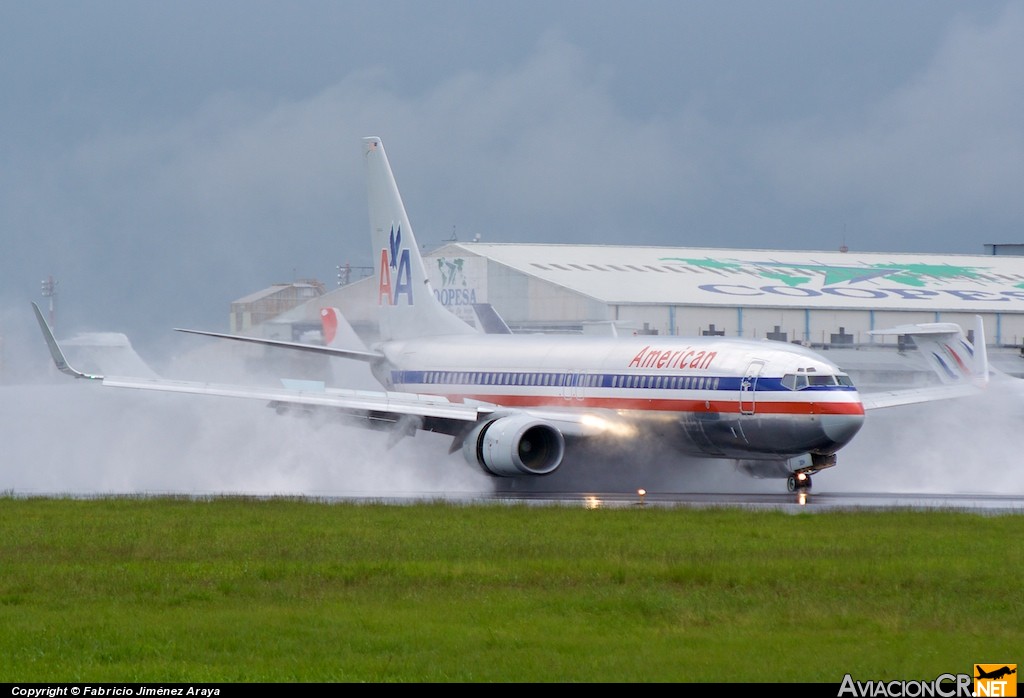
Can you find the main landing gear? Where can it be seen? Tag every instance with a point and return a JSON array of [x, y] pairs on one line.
[[799, 482]]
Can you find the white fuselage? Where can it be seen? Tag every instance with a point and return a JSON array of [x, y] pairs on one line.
[[709, 396]]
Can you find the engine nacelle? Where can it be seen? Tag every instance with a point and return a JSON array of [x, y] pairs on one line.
[[515, 446]]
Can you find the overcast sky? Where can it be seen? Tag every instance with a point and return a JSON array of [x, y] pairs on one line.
[[162, 159]]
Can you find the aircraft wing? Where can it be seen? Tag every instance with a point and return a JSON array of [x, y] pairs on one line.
[[368, 403], [912, 396], [375, 405], [302, 393]]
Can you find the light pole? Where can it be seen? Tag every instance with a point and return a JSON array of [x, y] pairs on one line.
[[50, 291], [345, 273]]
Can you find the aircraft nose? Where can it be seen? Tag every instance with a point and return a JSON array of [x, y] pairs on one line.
[[841, 428]]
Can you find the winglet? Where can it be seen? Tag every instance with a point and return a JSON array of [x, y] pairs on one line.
[[980, 352], [55, 350], [944, 346]]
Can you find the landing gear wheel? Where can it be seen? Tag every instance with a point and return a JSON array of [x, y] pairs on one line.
[[800, 482]]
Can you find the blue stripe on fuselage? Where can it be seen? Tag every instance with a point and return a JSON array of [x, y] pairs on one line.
[[555, 379]]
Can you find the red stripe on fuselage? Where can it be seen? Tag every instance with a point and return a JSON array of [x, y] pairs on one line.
[[656, 405]]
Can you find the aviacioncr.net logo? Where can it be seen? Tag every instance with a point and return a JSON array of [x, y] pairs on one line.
[[944, 686]]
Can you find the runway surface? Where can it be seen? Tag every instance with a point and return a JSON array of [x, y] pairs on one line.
[[993, 504], [986, 504], [792, 502]]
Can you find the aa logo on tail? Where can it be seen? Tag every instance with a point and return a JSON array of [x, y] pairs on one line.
[[394, 258], [995, 680]]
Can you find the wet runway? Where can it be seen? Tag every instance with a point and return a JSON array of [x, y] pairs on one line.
[[791, 502], [980, 503], [806, 502]]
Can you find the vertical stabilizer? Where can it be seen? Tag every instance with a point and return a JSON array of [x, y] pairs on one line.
[[406, 305]]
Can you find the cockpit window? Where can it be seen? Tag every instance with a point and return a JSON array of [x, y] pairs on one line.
[[799, 381], [793, 381]]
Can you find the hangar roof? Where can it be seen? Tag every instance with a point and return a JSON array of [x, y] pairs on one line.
[[768, 278]]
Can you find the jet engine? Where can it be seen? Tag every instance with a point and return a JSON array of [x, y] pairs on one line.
[[514, 446]]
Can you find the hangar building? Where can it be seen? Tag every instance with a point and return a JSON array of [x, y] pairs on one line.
[[826, 300], [819, 298]]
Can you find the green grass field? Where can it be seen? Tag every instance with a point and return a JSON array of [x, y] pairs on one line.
[[283, 590]]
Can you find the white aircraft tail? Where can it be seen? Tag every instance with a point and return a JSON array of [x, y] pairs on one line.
[[406, 303], [948, 352]]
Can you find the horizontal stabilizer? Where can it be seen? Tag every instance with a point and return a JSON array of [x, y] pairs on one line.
[[357, 354], [489, 320]]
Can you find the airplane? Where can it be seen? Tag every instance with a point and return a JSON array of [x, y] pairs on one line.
[[514, 404], [995, 673]]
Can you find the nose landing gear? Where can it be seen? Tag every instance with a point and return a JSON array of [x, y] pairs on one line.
[[799, 482]]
